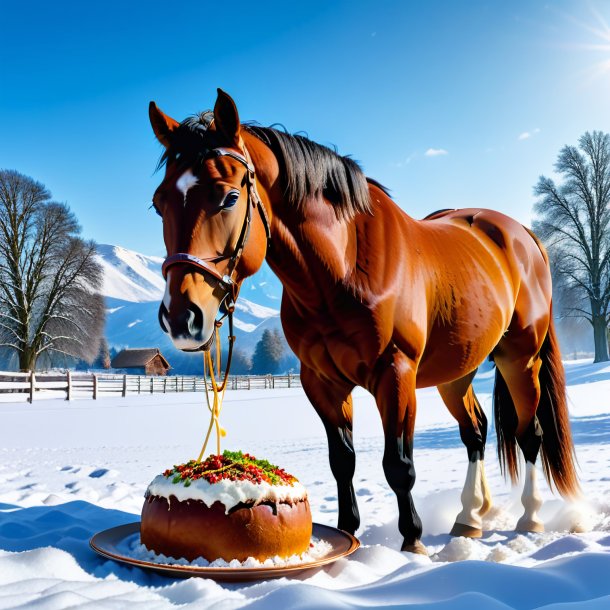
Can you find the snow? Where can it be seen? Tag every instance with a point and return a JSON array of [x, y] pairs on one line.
[[247, 328], [130, 276], [68, 470], [258, 311]]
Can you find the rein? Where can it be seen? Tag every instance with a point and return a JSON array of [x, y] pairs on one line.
[[230, 288]]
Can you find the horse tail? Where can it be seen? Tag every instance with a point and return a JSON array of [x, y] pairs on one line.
[[557, 450], [505, 418]]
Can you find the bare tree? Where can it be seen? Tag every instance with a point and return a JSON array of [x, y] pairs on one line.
[[573, 220], [49, 301]]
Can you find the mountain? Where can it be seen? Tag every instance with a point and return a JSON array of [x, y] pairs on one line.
[[130, 276], [133, 288]]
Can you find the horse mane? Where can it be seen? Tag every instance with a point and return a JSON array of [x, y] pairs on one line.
[[191, 140], [313, 170]]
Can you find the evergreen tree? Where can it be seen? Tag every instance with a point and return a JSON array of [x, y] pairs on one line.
[[268, 353], [103, 358], [241, 363]]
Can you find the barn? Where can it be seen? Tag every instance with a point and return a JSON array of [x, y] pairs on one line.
[[146, 361]]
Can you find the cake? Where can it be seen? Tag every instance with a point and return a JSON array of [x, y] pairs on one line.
[[230, 506]]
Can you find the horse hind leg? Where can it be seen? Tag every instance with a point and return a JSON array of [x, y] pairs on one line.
[[521, 378], [333, 403], [460, 399]]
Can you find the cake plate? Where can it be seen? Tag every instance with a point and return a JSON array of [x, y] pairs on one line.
[[112, 543]]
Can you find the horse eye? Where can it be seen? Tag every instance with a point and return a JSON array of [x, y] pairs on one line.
[[231, 199]]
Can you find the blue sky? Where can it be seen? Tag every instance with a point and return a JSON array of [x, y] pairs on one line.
[[495, 89]]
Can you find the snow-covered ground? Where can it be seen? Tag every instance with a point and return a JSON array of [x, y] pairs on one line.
[[68, 470]]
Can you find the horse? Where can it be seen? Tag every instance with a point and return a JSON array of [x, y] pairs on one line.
[[371, 298]]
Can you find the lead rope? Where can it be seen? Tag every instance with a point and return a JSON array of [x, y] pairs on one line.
[[218, 391]]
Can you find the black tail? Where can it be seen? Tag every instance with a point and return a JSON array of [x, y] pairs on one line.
[[505, 417], [557, 450], [558, 458]]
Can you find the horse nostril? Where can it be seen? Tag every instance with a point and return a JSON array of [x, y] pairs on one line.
[[187, 322], [195, 320], [163, 313]]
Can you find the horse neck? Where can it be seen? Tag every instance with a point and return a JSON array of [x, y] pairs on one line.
[[306, 242]]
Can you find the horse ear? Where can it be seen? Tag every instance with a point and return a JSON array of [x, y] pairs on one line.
[[226, 117], [162, 124]]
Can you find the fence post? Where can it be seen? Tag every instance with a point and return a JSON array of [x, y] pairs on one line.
[[32, 386], [152, 388], [272, 382], [248, 381], [139, 384], [288, 379], [94, 386], [69, 385], [164, 384], [194, 383], [124, 386], [176, 384]]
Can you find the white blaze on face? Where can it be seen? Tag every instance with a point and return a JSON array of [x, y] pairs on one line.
[[186, 182]]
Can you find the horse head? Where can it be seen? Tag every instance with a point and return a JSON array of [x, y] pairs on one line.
[[206, 200]]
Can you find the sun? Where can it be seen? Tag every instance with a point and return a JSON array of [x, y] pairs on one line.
[[598, 32]]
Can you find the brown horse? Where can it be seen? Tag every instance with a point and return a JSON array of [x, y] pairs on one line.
[[371, 298]]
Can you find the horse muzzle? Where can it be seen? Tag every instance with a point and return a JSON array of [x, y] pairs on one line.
[[188, 329]]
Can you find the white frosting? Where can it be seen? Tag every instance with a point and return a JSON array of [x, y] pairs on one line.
[[227, 492]]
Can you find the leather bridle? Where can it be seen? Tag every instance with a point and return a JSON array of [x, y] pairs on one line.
[[208, 265]]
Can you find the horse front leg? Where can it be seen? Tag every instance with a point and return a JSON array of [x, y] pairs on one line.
[[333, 403], [394, 390]]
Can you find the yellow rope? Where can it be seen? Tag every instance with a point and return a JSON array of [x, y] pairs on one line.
[[215, 407]]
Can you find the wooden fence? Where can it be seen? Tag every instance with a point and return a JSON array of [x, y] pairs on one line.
[[92, 385]]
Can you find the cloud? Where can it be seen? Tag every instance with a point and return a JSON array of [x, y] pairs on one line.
[[526, 135], [436, 152], [406, 161]]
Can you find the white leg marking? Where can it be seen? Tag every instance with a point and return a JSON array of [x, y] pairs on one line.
[[486, 493], [531, 500], [472, 496]]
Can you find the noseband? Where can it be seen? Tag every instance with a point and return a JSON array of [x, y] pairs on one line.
[[208, 265]]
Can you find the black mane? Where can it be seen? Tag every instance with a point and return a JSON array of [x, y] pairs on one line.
[[191, 141], [311, 170]]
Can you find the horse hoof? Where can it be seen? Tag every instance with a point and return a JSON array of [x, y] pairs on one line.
[[529, 525], [465, 531], [416, 547]]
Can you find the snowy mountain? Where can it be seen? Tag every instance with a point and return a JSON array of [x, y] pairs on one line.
[[134, 277], [130, 276], [133, 287]]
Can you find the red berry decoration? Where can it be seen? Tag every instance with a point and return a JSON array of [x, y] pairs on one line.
[[231, 465]]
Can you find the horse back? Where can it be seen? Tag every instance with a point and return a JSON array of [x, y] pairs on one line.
[[483, 274]]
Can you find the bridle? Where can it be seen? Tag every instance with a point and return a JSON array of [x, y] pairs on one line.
[[227, 283], [208, 265]]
